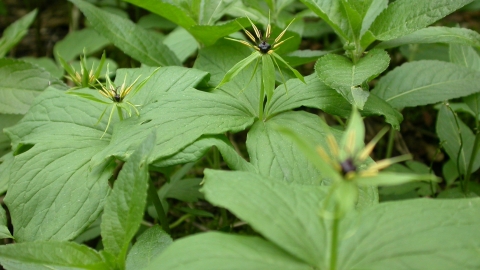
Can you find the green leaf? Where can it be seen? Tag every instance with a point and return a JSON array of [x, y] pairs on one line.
[[354, 19], [148, 246], [185, 190], [50, 255], [125, 205], [370, 9], [428, 82], [4, 232], [412, 234], [198, 17], [378, 237], [206, 12], [43, 179], [77, 42], [259, 201], [6, 120], [300, 57], [182, 43], [308, 149], [268, 75], [407, 16], [46, 63], [7, 161], [15, 32], [25, 82], [436, 34], [197, 149], [277, 156], [239, 67], [223, 251], [464, 56], [346, 77], [315, 94], [44, 195], [218, 59], [130, 38], [179, 118], [468, 57], [165, 79], [458, 139], [332, 12]]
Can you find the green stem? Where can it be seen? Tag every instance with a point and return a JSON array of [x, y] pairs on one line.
[[120, 113], [334, 243], [152, 192], [179, 221], [460, 149], [216, 165], [470, 163], [432, 184], [261, 101], [216, 158], [391, 138]]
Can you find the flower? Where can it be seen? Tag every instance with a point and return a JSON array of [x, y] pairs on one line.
[[266, 53], [84, 78], [345, 164], [262, 44]]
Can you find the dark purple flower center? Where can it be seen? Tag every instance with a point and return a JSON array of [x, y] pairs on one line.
[[348, 166], [264, 47]]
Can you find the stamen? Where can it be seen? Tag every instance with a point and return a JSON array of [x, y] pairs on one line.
[[255, 29], [241, 41], [283, 32]]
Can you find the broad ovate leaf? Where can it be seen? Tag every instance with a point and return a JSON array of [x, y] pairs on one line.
[[179, 118], [277, 156], [412, 234], [458, 139], [468, 57], [148, 246], [4, 232], [269, 205], [182, 43], [222, 251], [315, 94], [25, 82], [346, 77], [197, 17], [200, 147], [44, 255], [125, 205], [76, 42], [426, 82], [54, 193], [436, 34], [218, 59], [403, 17]]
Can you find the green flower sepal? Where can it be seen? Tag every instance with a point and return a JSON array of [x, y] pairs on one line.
[[345, 164]]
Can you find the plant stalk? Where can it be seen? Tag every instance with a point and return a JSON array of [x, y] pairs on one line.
[[391, 139], [470, 163], [120, 113], [334, 243], [152, 192], [261, 101]]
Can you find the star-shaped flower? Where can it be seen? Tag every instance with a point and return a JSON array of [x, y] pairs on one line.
[[345, 164]]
